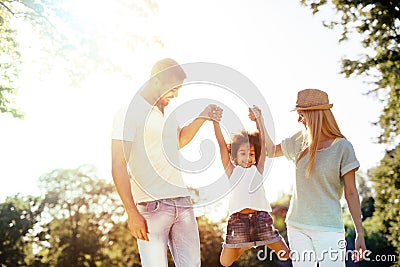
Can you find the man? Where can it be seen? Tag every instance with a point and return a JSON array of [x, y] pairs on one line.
[[146, 141]]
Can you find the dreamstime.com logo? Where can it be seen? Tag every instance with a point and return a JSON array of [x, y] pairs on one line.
[[332, 254], [230, 84]]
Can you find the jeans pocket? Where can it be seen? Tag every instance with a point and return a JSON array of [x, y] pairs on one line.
[[187, 202], [148, 207]]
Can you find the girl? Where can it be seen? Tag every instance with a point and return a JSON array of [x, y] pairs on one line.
[[249, 223], [325, 167]]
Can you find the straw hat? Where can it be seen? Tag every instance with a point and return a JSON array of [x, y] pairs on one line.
[[312, 99]]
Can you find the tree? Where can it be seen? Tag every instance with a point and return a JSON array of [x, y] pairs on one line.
[[374, 230], [211, 237], [9, 62], [386, 179], [18, 215], [76, 246], [122, 248], [83, 209], [69, 35], [377, 22], [366, 195]]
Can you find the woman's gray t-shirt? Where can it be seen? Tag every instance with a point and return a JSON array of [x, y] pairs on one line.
[[315, 203]]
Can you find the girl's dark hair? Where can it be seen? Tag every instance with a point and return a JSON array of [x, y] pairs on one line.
[[244, 137]]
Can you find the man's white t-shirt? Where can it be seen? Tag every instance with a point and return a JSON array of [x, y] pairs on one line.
[[154, 159]]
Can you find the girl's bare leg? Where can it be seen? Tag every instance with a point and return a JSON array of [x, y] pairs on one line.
[[229, 255]]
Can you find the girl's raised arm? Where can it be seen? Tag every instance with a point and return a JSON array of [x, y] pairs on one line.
[[271, 149], [223, 149], [255, 115]]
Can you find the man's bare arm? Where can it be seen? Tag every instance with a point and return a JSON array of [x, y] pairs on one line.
[[137, 224]]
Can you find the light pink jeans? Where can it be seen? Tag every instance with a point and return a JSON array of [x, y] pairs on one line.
[[171, 223]]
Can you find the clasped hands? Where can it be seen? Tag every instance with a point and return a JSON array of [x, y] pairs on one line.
[[214, 113]]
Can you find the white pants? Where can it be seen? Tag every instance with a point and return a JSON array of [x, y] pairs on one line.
[[309, 247]]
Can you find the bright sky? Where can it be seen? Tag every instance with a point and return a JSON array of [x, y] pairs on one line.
[[278, 45]]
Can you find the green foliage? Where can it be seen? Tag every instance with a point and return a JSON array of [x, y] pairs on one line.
[[375, 240], [366, 196], [279, 211], [375, 228], [122, 246], [9, 61], [76, 242], [80, 222], [378, 24], [18, 215], [83, 209], [211, 237], [70, 35], [386, 179]]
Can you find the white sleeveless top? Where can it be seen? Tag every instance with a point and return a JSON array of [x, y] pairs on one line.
[[247, 190]]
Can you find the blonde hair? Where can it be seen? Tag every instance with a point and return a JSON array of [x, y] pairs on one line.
[[317, 121]]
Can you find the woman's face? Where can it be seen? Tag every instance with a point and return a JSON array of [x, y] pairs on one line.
[[246, 156], [301, 118]]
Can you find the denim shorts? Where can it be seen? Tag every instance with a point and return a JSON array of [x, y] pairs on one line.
[[250, 230]]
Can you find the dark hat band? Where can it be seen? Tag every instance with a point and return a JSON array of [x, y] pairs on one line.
[[319, 107]]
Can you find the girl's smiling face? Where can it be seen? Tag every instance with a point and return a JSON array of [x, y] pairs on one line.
[[246, 155]]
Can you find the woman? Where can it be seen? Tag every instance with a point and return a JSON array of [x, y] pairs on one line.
[[325, 167]]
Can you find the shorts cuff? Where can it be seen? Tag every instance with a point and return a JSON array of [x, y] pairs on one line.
[[253, 244], [269, 241], [239, 245]]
